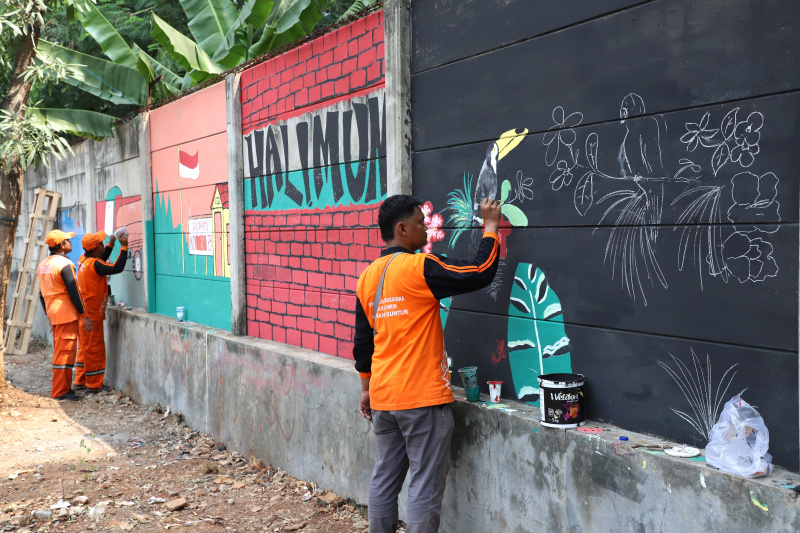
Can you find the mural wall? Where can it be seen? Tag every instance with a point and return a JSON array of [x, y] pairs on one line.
[[189, 162], [314, 151], [650, 201], [118, 202]]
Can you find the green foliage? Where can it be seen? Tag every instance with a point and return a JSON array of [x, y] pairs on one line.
[[130, 20], [77, 122], [357, 6], [30, 138], [111, 81]]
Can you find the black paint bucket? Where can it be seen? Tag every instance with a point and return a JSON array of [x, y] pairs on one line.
[[561, 402]]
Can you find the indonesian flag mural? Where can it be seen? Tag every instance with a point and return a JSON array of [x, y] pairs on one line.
[[189, 165]]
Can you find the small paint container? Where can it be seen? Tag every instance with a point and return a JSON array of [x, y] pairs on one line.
[[494, 391], [469, 378], [180, 312]]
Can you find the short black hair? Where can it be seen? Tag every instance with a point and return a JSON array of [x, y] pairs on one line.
[[393, 210], [56, 248]]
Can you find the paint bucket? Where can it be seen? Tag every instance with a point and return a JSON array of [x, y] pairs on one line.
[[561, 400], [469, 377], [494, 391]]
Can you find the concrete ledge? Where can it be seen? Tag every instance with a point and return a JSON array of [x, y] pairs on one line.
[[297, 410]]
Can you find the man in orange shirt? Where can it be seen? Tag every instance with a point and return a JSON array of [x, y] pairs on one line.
[[400, 356], [62, 302], [93, 283]]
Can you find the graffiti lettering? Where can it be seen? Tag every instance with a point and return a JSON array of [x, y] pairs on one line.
[[326, 155]]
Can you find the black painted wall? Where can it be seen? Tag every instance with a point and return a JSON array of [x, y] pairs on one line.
[[652, 182]]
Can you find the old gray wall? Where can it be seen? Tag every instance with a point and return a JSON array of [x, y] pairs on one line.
[[297, 410], [87, 181]]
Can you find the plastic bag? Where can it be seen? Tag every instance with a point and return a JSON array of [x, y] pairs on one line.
[[739, 441]]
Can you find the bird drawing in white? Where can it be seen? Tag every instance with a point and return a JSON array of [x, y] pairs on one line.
[[634, 209]]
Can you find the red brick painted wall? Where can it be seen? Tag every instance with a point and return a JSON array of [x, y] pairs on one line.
[[338, 65], [302, 269], [303, 264]]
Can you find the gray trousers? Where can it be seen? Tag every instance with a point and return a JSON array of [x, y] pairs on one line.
[[415, 439]]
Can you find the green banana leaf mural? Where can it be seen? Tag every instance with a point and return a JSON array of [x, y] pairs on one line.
[[537, 341]]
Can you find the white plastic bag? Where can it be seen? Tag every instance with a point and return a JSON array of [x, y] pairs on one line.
[[739, 441]]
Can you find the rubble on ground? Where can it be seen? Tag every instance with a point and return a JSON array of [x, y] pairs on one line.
[[143, 469]]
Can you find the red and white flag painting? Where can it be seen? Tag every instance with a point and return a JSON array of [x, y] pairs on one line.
[[189, 165]]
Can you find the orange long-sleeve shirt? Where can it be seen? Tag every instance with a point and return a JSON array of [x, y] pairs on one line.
[[405, 358]]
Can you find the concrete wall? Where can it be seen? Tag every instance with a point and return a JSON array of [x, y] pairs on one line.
[[643, 152], [100, 189], [297, 410], [118, 202]]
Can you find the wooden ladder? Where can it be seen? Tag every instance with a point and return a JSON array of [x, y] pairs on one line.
[[26, 296]]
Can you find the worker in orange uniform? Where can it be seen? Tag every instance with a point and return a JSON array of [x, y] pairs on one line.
[[93, 275], [62, 301]]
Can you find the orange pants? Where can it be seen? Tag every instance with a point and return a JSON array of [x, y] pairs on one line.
[[91, 366], [65, 343]]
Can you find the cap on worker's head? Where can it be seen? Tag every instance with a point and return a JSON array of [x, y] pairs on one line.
[[56, 237], [91, 240]]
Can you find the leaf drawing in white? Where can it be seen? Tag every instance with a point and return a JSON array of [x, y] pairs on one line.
[[704, 400]]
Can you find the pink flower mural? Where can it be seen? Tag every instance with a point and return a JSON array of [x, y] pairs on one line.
[[434, 223]]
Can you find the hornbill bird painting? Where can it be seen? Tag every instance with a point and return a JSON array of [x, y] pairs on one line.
[[486, 187]]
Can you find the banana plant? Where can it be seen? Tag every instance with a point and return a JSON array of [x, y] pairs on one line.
[[225, 37], [128, 76], [75, 121]]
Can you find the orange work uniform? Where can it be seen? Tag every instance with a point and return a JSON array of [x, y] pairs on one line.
[[93, 284], [64, 308], [405, 357]]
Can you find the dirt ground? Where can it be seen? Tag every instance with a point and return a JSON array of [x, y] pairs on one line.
[[105, 463]]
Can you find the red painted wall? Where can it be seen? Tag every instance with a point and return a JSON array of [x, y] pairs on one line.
[[302, 274], [302, 265], [338, 65]]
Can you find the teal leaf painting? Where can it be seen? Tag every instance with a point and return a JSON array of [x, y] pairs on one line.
[[537, 341]]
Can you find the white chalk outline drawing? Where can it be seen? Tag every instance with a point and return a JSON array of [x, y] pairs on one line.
[[697, 390], [635, 212]]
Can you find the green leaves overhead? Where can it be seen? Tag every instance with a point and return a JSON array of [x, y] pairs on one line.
[[76, 121], [287, 21], [357, 6], [537, 341], [210, 21], [185, 51], [111, 81], [112, 43]]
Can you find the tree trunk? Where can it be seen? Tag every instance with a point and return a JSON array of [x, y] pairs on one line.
[[11, 174]]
